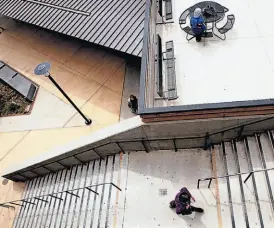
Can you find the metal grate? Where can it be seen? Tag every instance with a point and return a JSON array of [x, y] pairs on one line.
[[162, 192]]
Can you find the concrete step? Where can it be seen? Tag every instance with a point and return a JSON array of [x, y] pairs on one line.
[[84, 208], [261, 182], [268, 152], [248, 187], [237, 197], [223, 188]]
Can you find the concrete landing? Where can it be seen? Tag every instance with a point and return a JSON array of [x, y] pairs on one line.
[[150, 172]]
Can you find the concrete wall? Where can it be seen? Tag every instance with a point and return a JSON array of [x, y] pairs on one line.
[[129, 133]]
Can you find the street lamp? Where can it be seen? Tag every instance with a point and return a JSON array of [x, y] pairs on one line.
[[43, 69]]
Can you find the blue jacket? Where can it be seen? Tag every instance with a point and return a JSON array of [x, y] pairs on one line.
[[194, 22]]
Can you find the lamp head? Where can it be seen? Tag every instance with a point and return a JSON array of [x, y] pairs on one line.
[[42, 69]]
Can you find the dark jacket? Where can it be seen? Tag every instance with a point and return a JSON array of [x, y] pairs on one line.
[[133, 103], [180, 207]]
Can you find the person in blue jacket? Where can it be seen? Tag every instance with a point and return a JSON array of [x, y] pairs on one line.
[[197, 24]]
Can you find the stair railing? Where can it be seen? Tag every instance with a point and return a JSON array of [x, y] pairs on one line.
[[53, 195], [230, 175]]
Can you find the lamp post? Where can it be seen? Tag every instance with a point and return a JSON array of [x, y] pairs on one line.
[[43, 69]]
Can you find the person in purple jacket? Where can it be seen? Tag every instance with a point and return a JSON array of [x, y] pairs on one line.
[[198, 24], [182, 203]]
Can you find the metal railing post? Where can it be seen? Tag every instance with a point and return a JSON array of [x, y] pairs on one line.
[[175, 146], [116, 186], [240, 133], [144, 145], [248, 177], [207, 141], [209, 183], [92, 191], [198, 184]]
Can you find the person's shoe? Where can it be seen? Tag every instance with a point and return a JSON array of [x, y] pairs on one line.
[[172, 204], [200, 210], [198, 39]]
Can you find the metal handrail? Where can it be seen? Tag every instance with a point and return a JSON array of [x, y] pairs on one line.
[[206, 137], [68, 191], [230, 175]]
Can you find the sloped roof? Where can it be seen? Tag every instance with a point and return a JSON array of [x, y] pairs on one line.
[[116, 24]]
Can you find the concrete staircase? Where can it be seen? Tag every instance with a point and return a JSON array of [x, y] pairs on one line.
[[140, 175], [247, 204], [84, 209]]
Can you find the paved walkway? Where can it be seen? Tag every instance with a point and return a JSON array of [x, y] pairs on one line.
[[92, 77], [99, 76], [131, 86]]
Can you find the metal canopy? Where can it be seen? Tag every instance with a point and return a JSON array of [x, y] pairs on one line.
[[116, 24]]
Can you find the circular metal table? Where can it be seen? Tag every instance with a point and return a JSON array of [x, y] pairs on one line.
[[218, 13]]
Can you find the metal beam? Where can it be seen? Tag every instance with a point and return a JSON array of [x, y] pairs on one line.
[[98, 154], [65, 166], [78, 159], [46, 168], [240, 133], [144, 145], [118, 144]]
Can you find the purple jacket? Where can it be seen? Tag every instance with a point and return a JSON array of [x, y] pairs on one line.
[[179, 206]]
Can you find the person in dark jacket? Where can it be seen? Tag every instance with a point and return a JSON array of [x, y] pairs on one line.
[[182, 203], [197, 24], [133, 103]]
